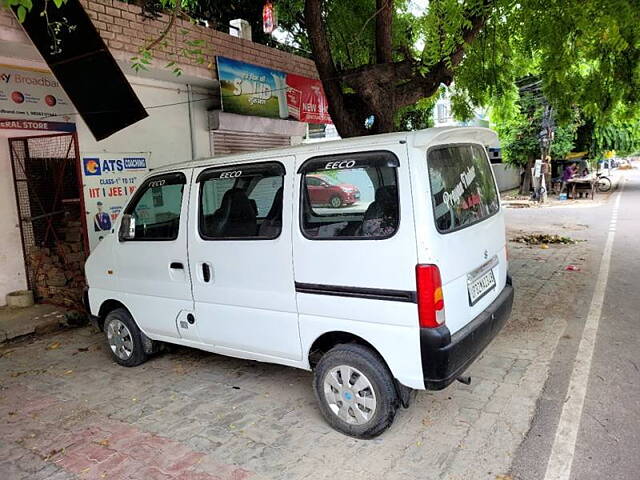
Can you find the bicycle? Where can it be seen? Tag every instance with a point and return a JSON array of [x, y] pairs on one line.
[[603, 183]]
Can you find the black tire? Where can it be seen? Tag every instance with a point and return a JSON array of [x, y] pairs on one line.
[[376, 372], [335, 201], [603, 184], [137, 355]]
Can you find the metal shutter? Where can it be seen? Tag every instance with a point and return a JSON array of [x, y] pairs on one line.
[[224, 142]]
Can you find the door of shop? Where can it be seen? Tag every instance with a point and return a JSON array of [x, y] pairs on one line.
[[50, 208]]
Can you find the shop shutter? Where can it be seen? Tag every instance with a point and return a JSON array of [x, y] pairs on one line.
[[225, 142]]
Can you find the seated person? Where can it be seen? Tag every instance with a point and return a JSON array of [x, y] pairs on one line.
[[569, 172]]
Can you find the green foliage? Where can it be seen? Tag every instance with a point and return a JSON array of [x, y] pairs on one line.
[[624, 138], [519, 131], [417, 116], [586, 51]]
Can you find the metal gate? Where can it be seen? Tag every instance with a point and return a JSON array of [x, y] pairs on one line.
[[48, 187]]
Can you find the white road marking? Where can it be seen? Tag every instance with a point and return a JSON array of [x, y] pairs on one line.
[[564, 444]]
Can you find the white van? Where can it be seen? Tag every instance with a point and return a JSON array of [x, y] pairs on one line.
[[378, 262]]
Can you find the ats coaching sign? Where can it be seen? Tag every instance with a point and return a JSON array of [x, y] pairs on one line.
[[109, 180]]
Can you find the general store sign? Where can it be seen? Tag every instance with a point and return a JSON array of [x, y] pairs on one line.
[[108, 181], [32, 94], [17, 124], [249, 89]]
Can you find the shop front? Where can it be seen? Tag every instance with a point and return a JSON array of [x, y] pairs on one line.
[[41, 217], [62, 188]]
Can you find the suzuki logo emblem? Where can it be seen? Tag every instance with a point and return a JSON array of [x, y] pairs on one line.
[[486, 254]]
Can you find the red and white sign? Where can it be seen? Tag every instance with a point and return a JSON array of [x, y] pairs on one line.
[[306, 100]]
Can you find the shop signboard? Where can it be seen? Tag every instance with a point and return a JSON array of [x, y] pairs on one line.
[[32, 94], [248, 89], [108, 181], [38, 125]]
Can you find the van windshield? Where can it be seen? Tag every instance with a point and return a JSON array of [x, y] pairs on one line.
[[462, 186]]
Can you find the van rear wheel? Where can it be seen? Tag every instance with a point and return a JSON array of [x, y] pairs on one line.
[[355, 391], [123, 338]]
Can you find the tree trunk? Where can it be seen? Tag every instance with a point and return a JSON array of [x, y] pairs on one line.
[[525, 187], [380, 89], [384, 21]]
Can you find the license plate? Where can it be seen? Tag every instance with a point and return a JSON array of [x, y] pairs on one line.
[[481, 286]]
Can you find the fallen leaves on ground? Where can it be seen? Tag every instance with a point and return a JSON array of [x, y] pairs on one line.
[[35, 371], [543, 239], [53, 346]]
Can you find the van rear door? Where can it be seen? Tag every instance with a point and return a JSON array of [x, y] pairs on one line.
[[466, 231]]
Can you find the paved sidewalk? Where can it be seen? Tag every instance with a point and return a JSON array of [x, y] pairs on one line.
[[68, 412], [42, 318]]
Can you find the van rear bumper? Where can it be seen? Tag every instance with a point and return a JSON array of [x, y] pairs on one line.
[[445, 357]]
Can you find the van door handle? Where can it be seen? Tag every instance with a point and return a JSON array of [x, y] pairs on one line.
[[206, 272], [176, 266]]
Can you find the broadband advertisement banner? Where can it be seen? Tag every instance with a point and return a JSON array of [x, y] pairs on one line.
[[32, 94], [248, 89], [109, 180]]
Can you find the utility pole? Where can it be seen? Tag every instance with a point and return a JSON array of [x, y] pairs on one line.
[[543, 166]]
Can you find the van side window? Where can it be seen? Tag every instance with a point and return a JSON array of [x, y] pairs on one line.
[[156, 209], [462, 186], [241, 202], [350, 196]]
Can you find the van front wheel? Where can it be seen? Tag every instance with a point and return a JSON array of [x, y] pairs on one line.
[[355, 391], [123, 338]]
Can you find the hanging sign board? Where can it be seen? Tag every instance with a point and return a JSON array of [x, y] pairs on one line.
[[248, 89], [108, 181]]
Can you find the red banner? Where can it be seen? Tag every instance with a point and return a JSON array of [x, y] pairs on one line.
[[306, 100]]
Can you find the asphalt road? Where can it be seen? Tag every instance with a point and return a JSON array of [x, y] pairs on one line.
[[607, 444]]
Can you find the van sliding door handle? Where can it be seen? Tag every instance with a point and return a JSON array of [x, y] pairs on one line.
[[206, 272], [176, 266]]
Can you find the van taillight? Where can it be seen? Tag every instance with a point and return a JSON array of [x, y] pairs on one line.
[[430, 299]]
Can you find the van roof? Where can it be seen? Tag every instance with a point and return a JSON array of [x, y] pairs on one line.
[[419, 138]]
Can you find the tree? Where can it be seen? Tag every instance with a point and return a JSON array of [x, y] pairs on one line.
[[379, 57], [375, 58], [519, 134]]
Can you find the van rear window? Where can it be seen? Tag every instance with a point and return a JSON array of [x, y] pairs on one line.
[[462, 186]]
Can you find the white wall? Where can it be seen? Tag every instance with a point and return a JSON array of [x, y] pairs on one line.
[[508, 177], [165, 132], [12, 273]]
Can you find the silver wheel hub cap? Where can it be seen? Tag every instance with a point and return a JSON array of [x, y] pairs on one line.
[[349, 394], [120, 339]]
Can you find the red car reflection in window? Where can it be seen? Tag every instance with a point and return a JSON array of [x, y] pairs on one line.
[[324, 190]]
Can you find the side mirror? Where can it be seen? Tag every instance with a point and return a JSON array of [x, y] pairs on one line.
[[127, 228]]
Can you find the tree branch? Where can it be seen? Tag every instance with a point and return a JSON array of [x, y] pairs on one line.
[[346, 122], [442, 72], [384, 21], [167, 29]]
